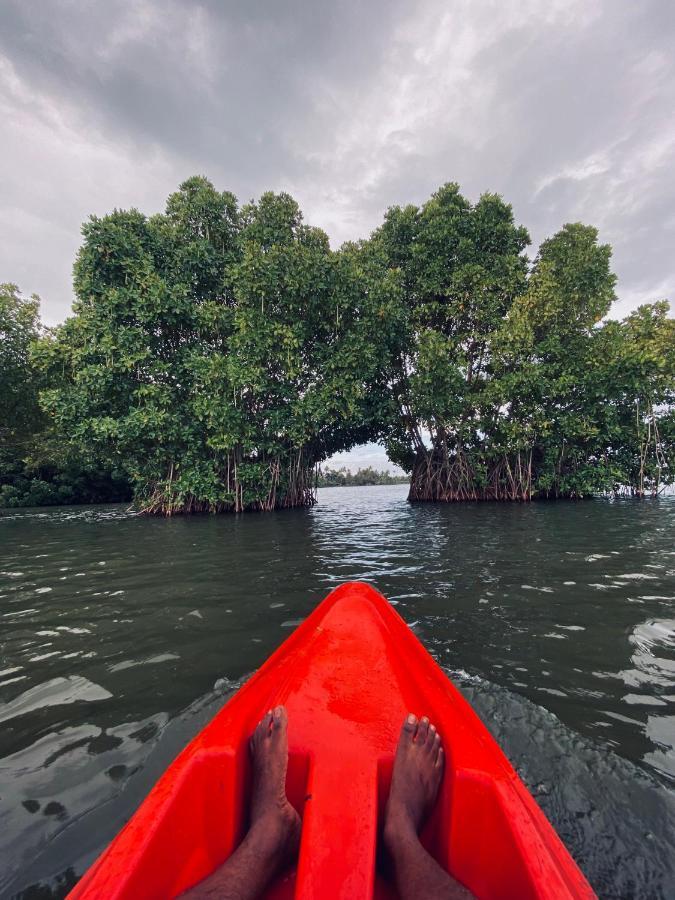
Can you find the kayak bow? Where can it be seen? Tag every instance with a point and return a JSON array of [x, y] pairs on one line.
[[347, 676]]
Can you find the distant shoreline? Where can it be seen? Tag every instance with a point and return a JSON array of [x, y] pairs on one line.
[[367, 477], [325, 487]]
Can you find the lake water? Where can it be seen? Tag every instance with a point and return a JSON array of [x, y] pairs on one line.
[[121, 636]]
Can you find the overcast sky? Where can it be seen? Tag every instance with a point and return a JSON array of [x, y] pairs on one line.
[[566, 107]]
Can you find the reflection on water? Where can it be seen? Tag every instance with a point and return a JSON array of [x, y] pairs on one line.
[[120, 637], [55, 692]]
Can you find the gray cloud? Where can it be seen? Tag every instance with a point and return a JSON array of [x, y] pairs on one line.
[[564, 106]]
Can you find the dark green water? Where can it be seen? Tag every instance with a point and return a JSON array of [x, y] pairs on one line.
[[121, 636]]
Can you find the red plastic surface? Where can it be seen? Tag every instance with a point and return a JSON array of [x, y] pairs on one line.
[[347, 676]]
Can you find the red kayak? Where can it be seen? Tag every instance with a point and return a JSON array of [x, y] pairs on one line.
[[347, 676]]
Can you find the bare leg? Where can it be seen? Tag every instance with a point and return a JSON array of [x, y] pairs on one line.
[[273, 838], [417, 775]]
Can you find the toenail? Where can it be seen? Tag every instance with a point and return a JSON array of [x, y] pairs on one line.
[[411, 719]]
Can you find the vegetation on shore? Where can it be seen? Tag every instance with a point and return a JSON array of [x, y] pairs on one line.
[[218, 354], [39, 465], [343, 477]]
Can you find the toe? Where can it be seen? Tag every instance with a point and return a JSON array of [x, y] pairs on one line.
[[261, 729], [409, 726], [431, 740], [422, 731], [279, 717], [440, 758]]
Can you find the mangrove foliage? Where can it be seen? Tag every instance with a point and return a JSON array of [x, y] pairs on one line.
[[510, 384], [39, 464], [219, 353]]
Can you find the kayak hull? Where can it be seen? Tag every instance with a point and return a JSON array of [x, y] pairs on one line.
[[347, 676]]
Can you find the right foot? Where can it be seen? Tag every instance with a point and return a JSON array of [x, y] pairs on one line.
[[417, 775], [275, 825]]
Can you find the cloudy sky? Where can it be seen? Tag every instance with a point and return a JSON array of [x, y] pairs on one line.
[[566, 107]]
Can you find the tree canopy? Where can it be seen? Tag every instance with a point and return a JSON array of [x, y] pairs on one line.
[[218, 353], [509, 386]]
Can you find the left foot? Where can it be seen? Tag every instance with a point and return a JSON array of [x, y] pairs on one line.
[[275, 825]]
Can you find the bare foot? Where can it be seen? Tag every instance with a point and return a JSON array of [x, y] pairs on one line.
[[417, 775], [274, 822]]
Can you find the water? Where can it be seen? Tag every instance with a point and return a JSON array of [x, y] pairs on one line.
[[120, 637]]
